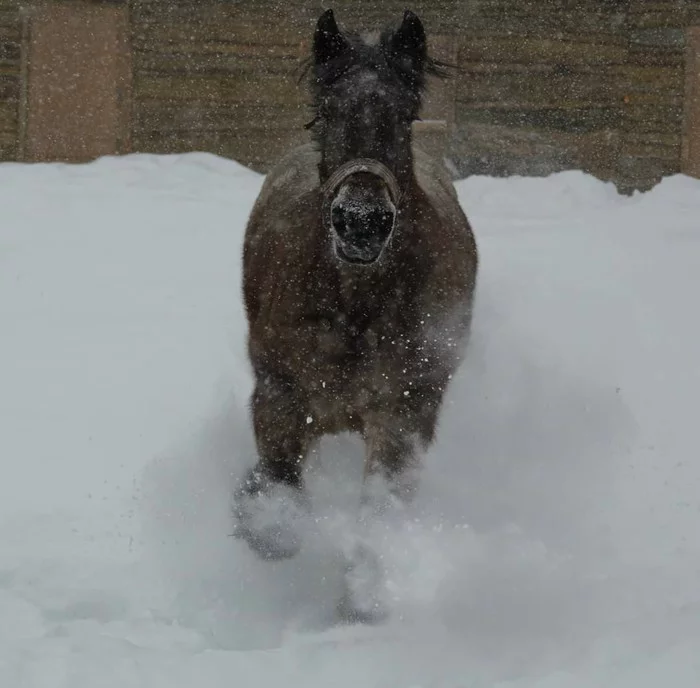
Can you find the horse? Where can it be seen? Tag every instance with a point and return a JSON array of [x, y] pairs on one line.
[[359, 273]]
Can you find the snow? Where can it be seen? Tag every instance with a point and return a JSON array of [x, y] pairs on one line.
[[556, 537]]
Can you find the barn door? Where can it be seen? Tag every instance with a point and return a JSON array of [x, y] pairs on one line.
[[690, 163], [78, 77]]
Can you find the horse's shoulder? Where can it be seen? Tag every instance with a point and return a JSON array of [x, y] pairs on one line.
[[452, 242], [294, 176], [286, 207]]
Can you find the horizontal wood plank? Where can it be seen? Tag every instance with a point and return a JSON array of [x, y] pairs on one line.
[[258, 152], [537, 86], [574, 119], [163, 116], [222, 63], [528, 50], [260, 89]]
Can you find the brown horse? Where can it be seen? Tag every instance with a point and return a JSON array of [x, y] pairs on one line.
[[359, 270]]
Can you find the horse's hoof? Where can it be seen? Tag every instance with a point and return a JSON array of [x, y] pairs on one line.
[[364, 588], [349, 612], [270, 517], [270, 544]]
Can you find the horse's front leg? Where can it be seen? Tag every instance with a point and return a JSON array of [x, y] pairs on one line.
[[270, 503], [395, 444], [391, 463], [392, 460]]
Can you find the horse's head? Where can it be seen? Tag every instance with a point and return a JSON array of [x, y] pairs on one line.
[[366, 95]]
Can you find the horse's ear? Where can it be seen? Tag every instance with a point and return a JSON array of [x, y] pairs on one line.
[[408, 45], [329, 42]]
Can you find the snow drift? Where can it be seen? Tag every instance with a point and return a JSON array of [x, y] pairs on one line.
[[556, 536]]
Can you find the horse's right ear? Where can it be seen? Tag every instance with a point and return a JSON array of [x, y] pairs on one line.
[[329, 42]]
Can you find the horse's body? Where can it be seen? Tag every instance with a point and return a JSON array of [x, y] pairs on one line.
[[358, 283], [360, 345]]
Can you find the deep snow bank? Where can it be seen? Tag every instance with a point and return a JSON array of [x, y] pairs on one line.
[[556, 540]]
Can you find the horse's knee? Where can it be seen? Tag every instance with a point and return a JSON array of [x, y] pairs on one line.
[[391, 451], [422, 409], [390, 480], [272, 396], [392, 461], [281, 433], [270, 502]]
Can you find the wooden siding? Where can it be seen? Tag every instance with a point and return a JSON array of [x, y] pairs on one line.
[[651, 130], [597, 86], [541, 86], [10, 64], [217, 77], [690, 153]]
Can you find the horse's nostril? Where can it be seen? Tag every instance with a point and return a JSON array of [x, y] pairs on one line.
[[338, 218], [381, 219], [361, 221]]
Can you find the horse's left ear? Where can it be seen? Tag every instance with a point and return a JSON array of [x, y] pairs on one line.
[[408, 45], [329, 42]]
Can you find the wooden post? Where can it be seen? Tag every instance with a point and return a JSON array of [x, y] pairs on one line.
[[124, 82], [690, 152], [77, 80], [23, 86]]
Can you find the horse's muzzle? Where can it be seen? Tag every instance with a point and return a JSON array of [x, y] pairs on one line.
[[361, 230], [360, 204]]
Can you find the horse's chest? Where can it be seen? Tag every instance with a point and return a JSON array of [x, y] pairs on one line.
[[366, 365], [371, 355]]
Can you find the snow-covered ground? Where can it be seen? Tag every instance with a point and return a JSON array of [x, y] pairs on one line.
[[557, 534]]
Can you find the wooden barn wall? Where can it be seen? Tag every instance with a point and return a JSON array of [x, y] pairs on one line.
[[10, 58], [218, 77], [652, 115], [224, 77], [555, 85], [544, 85], [541, 87]]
